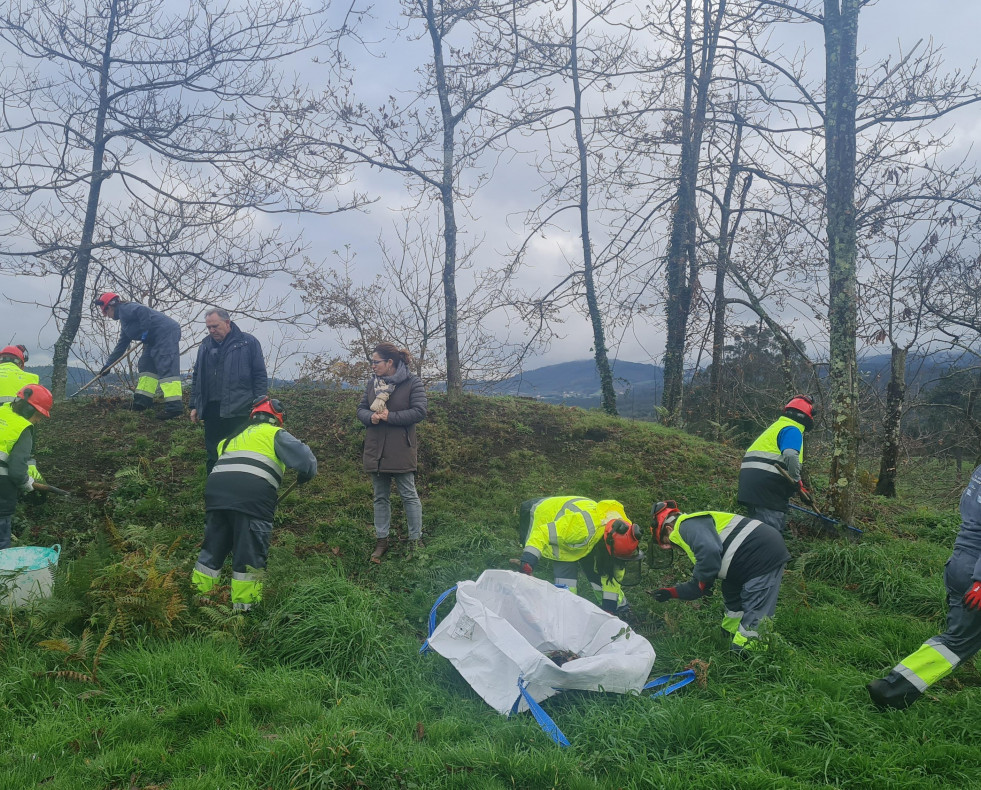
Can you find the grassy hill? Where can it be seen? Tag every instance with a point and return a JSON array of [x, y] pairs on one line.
[[126, 680]]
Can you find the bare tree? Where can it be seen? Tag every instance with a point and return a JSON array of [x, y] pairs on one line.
[[436, 137], [139, 137]]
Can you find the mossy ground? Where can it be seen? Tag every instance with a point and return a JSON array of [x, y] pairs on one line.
[[125, 680]]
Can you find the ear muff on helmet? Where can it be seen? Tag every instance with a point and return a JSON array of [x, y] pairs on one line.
[[663, 514], [622, 538], [271, 407]]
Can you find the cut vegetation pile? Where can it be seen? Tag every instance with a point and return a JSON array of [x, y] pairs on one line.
[[125, 680]]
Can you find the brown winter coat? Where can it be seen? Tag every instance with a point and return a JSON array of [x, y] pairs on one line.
[[391, 446]]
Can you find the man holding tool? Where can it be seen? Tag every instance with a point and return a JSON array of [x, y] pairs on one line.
[[160, 360]]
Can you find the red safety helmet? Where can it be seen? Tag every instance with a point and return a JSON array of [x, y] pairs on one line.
[[39, 397], [664, 514], [14, 351], [622, 538], [802, 403], [105, 300], [269, 406]]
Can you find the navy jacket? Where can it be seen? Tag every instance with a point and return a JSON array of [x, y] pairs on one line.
[[139, 322], [232, 370]]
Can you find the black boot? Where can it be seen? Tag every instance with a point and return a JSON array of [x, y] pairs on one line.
[[172, 409], [141, 402], [893, 691]]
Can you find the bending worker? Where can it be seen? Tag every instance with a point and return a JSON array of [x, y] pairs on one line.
[[13, 377], [575, 532], [747, 555], [17, 421], [160, 359], [772, 466], [939, 656], [240, 500]]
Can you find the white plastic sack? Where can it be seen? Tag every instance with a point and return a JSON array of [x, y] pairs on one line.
[[504, 622]]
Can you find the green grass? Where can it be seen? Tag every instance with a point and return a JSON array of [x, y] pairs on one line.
[[323, 686]]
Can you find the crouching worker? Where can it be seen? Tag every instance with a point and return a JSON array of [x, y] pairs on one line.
[[240, 500], [575, 533], [747, 555], [939, 656], [17, 421]]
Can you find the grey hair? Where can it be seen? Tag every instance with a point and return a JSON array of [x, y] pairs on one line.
[[218, 311]]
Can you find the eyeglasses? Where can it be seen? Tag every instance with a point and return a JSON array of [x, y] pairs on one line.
[[376, 361]]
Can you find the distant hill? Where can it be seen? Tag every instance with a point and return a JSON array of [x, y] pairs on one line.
[[578, 384]]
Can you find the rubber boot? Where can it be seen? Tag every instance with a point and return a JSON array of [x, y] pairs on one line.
[[141, 402], [381, 546], [171, 410], [893, 691]]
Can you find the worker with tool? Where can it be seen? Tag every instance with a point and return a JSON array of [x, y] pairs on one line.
[[160, 359], [575, 532], [240, 500], [772, 466], [940, 655], [13, 377], [17, 421], [747, 555]]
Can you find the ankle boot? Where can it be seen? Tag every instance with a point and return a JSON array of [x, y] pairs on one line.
[[381, 546]]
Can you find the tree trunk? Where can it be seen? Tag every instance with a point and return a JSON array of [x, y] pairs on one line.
[[681, 267], [454, 376], [721, 269], [895, 395], [80, 271], [840, 34], [589, 276]]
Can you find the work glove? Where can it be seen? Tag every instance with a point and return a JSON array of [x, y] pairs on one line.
[[105, 369], [303, 479], [143, 337], [805, 495], [28, 486], [972, 598], [665, 594]]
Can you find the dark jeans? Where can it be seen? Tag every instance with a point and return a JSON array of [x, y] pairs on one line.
[[217, 428]]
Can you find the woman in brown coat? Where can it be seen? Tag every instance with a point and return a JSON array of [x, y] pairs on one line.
[[392, 404]]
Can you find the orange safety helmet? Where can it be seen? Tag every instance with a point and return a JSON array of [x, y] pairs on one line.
[[802, 403], [39, 397], [663, 514], [105, 300], [14, 351], [269, 406], [622, 538]]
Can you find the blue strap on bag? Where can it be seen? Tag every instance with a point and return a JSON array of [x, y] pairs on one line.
[[432, 618], [549, 727], [684, 678]]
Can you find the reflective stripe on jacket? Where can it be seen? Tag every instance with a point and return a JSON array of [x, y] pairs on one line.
[[733, 530], [565, 528], [13, 380], [760, 483], [12, 428], [252, 452]]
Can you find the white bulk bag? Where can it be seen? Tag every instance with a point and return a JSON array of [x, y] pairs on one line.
[[504, 622]]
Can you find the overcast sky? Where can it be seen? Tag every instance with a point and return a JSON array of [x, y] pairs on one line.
[[883, 28]]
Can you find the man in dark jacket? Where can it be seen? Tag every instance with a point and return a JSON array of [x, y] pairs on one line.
[[229, 376], [160, 362]]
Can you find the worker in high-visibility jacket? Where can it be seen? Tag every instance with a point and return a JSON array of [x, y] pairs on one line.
[[240, 500], [746, 555], [13, 377], [772, 466], [17, 421], [575, 532], [160, 360], [939, 656]]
